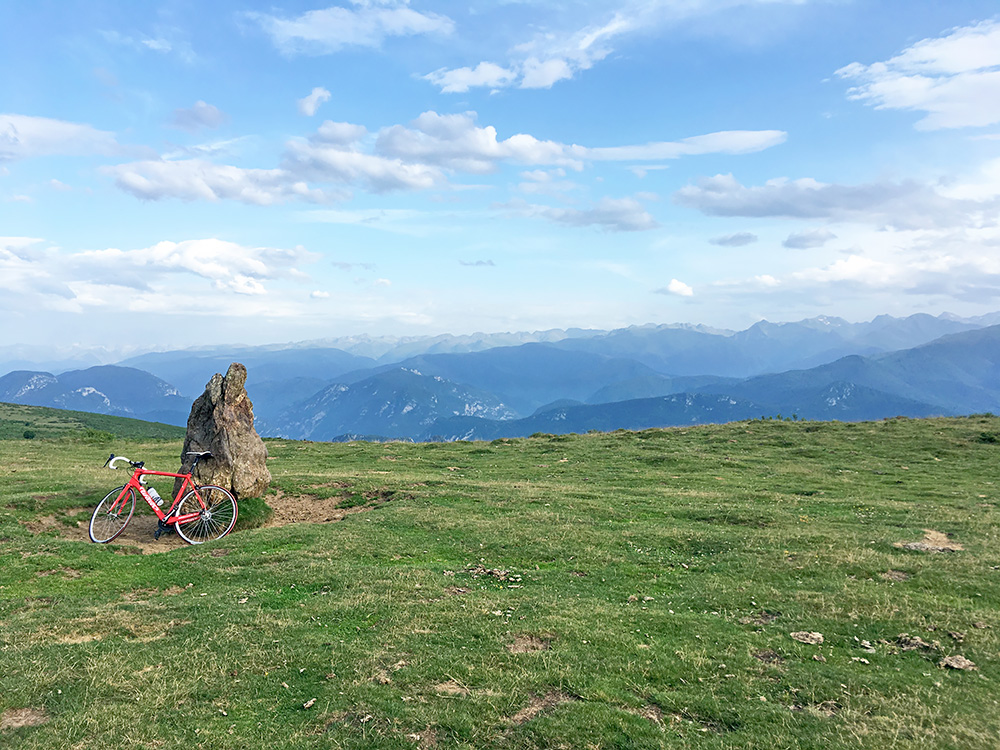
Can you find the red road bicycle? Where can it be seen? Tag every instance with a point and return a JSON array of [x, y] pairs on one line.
[[198, 513]]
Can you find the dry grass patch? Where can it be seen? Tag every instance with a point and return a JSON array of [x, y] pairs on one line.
[[540, 705], [451, 687], [15, 718], [527, 643]]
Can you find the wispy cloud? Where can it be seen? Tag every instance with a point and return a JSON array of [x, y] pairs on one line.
[[368, 24], [559, 52], [308, 105], [808, 239], [613, 214], [23, 136], [200, 115], [197, 179], [734, 240]]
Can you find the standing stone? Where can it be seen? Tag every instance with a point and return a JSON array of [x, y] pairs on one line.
[[221, 421]]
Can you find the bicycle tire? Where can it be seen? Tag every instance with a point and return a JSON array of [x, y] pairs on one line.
[[217, 514], [105, 526]]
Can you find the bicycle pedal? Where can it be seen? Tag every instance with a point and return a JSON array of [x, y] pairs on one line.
[[156, 534]]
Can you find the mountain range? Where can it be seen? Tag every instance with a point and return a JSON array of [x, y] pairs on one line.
[[485, 386]]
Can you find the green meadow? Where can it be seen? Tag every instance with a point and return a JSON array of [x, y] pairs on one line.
[[607, 590]]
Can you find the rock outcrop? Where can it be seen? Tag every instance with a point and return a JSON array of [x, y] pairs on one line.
[[221, 421]]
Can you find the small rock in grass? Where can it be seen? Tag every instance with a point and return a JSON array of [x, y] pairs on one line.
[[907, 642], [819, 657], [956, 661], [804, 636], [309, 703]]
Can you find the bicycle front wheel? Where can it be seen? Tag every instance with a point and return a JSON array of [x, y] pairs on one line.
[[108, 523], [216, 509]]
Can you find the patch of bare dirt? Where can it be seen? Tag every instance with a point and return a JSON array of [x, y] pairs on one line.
[[43, 524], [427, 738], [539, 705], [933, 541], [15, 718], [66, 572], [527, 643], [289, 509]]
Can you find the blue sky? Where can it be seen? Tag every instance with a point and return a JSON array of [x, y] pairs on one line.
[[182, 173]]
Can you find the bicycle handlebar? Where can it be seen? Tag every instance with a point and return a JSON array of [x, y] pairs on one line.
[[112, 459]]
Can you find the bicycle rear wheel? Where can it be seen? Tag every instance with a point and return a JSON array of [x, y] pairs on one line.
[[216, 509], [106, 524]]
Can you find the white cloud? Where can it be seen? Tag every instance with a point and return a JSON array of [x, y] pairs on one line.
[[419, 156], [340, 133], [676, 287], [328, 30], [550, 57], [954, 79], [456, 142], [905, 204], [614, 214], [77, 281], [329, 163], [558, 52], [197, 179], [23, 136], [941, 267], [308, 105], [542, 74], [229, 266], [459, 80], [200, 115], [808, 239]]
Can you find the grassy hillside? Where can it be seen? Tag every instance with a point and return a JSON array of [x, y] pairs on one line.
[[30, 422], [619, 590]]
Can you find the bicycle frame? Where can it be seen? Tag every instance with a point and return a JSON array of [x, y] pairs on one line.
[[134, 484]]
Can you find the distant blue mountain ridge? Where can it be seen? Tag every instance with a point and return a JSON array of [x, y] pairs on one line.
[[505, 385]]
